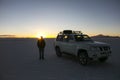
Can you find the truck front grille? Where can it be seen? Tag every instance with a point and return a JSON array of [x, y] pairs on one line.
[[105, 48]]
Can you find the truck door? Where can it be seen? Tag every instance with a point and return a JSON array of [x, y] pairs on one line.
[[65, 43], [71, 44]]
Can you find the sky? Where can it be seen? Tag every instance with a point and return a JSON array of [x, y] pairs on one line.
[[32, 18]]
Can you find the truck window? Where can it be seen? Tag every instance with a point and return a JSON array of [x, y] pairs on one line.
[[65, 38], [70, 37], [59, 38]]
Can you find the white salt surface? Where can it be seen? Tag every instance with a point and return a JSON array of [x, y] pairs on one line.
[[19, 61]]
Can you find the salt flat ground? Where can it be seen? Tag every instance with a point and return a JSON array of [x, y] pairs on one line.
[[19, 61]]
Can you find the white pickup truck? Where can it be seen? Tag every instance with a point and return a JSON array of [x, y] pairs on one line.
[[82, 46]]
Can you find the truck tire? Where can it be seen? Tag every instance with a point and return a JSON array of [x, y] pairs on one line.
[[83, 57], [58, 52]]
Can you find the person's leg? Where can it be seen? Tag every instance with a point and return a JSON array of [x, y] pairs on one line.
[[42, 53]]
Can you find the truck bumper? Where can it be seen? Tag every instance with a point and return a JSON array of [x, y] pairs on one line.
[[96, 54]]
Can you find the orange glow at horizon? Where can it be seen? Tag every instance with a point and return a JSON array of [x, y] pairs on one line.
[[34, 36], [39, 35], [45, 35], [50, 35]]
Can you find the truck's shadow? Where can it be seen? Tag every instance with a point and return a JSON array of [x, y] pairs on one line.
[[91, 63], [70, 57]]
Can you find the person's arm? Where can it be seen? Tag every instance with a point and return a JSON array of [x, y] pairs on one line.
[[44, 43]]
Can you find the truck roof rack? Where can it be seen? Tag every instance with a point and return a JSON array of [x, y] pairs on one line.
[[70, 32]]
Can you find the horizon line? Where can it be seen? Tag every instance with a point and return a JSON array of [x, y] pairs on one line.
[[14, 36]]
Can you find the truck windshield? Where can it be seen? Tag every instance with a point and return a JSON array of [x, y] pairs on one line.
[[82, 38]]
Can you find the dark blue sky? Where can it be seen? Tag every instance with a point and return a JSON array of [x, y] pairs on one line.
[[32, 17]]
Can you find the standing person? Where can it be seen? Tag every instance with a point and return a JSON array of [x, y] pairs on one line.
[[41, 45]]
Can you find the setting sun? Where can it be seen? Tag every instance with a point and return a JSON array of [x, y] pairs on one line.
[[40, 34]]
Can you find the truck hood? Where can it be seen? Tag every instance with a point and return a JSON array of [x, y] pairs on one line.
[[96, 43]]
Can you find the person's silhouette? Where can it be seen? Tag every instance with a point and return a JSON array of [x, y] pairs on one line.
[[41, 45]]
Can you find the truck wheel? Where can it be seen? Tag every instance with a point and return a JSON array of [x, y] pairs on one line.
[[58, 52], [103, 59], [83, 57]]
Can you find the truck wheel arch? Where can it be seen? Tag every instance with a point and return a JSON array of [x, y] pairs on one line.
[[57, 47], [81, 50]]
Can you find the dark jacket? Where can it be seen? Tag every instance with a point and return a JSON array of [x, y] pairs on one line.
[[41, 43]]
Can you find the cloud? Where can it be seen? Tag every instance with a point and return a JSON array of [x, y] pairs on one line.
[[7, 36]]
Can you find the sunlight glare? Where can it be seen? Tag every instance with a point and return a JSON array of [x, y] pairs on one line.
[[39, 35]]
